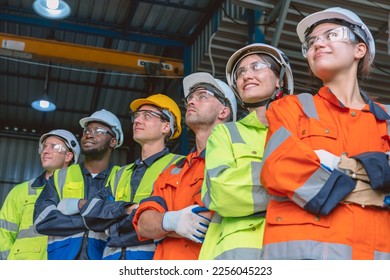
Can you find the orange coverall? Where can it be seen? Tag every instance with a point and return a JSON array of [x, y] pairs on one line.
[[176, 188], [300, 188]]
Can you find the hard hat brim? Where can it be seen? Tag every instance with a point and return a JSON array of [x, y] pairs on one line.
[[199, 78]]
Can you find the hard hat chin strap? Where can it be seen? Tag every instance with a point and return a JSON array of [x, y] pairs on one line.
[[171, 121], [255, 105]]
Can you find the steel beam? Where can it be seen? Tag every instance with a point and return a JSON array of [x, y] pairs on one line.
[[54, 51]]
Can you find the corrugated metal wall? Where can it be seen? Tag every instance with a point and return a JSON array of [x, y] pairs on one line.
[[19, 161]]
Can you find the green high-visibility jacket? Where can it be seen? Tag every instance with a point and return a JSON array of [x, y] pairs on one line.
[[18, 240], [232, 189]]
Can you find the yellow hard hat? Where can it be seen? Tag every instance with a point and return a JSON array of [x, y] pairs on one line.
[[168, 106]]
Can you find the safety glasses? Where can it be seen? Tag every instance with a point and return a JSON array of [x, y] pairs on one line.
[[255, 68], [53, 147], [148, 115], [97, 131], [338, 34], [204, 93]]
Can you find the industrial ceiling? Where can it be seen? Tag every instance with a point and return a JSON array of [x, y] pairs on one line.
[[109, 52]]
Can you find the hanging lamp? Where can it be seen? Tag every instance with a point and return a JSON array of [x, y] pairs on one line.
[[52, 9], [44, 104]]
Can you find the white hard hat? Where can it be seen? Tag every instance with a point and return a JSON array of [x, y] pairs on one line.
[[339, 16], [258, 48], [68, 138], [200, 78], [109, 119]]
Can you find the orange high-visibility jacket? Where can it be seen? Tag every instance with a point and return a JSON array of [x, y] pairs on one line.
[[306, 218], [176, 188]]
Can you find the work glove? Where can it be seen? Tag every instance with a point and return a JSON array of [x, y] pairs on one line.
[[328, 160], [69, 206], [353, 168], [365, 196], [187, 223]]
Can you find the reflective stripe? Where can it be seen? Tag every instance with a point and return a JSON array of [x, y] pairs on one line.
[[61, 181], [27, 233], [31, 190], [109, 251], [275, 141], [234, 133], [381, 256], [216, 219], [311, 187], [308, 106], [175, 157], [306, 250], [259, 194], [214, 172], [90, 207], [4, 255], [54, 239], [241, 254], [211, 173], [9, 225], [43, 214], [97, 235], [176, 170]]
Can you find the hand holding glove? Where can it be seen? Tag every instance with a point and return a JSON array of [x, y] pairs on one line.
[[187, 223], [69, 206]]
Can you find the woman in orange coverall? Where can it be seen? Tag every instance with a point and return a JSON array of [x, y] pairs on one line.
[[326, 163]]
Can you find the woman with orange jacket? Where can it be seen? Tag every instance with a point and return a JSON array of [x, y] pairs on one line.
[[326, 163]]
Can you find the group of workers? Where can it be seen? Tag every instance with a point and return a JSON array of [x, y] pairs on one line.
[[301, 176]]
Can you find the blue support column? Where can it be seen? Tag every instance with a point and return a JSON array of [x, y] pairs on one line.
[[259, 36]]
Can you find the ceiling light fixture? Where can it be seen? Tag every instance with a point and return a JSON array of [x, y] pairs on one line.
[[44, 103], [52, 9]]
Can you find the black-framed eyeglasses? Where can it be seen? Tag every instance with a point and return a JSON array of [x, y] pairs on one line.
[[203, 93], [97, 131], [148, 115]]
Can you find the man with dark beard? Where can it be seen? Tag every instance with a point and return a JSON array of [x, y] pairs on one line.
[[57, 209]]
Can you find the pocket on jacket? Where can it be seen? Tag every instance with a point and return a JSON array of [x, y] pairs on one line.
[[318, 134], [73, 190], [288, 213], [245, 151], [33, 249], [231, 226]]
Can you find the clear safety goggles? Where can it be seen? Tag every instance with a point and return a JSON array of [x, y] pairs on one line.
[[53, 147], [204, 93], [255, 68], [148, 115], [338, 34], [97, 131]]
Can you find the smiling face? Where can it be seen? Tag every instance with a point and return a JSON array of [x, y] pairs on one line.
[[93, 143], [255, 86]]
